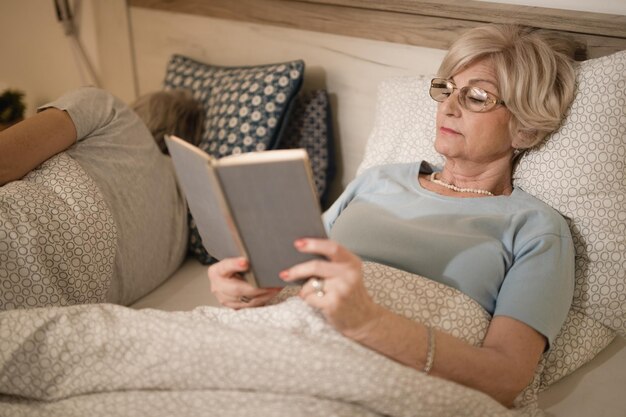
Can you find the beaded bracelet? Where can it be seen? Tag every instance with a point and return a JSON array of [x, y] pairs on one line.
[[430, 353]]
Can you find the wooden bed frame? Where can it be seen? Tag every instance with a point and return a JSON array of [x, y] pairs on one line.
[[426, 23]]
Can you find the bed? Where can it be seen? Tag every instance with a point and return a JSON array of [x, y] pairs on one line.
[[398, 135], [379, 41], [387, 44]]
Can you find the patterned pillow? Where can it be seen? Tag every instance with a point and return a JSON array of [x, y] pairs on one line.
[[310, 127], [58, 239], [194, 243], [580, 171], [246, 108]]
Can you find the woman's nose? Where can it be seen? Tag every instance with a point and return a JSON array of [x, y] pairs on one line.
[[451, 105]]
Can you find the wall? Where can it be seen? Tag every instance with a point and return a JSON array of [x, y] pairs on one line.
[[597, 6], [40, 60], [349, 68]]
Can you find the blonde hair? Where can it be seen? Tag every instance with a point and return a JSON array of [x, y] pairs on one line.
[[172, 112], [534, 70]]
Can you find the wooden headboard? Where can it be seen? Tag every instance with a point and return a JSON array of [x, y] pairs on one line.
[[426, 23]]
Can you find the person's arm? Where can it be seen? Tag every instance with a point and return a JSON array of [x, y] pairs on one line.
[[27, 144], [502, 367]]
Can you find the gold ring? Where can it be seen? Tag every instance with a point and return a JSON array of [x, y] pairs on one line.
[[245, 299]]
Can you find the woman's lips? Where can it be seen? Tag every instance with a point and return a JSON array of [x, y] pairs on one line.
[[449, 131]]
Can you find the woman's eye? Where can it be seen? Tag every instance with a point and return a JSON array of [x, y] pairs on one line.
[[477, 95], [478, 100]]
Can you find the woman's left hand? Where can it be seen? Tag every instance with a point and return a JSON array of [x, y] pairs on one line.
[[342, 297]]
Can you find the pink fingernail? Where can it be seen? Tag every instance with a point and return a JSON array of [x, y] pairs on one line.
[[284, 274], [300, 243]]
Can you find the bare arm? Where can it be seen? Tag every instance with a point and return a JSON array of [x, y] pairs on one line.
[[27, 144], [502, 367]]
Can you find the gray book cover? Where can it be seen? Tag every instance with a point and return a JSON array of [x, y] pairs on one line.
[[254, 205]]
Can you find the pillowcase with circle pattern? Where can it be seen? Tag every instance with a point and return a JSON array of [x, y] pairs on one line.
[[245, 110], [580, 171], [58, 239]]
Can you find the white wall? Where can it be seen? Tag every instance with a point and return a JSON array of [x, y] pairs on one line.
[[597, 6], [37, 58], [349, 68]]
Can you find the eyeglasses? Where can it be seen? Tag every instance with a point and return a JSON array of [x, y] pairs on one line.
[[474, 99]]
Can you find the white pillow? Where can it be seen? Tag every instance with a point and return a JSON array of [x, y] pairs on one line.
[[404, 124], [580, 171]]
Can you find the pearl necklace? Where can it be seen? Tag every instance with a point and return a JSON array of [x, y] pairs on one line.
[[452, 187]]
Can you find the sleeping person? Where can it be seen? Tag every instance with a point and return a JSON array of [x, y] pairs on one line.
[[117, 152], [501, 90]]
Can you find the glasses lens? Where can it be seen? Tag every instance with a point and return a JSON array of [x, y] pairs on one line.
[[476, 99], [440, 89]]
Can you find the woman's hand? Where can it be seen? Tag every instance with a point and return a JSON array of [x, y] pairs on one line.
[[342, 298], [231, 290]]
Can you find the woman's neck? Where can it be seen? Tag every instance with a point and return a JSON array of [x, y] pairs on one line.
[[494, 178]]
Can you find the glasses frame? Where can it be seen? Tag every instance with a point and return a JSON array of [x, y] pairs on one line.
[[492, 102]]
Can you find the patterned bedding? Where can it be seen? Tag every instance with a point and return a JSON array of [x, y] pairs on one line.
[[278, 360], [283, 359], [58, 239]]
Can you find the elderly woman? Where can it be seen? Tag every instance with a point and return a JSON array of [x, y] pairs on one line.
[[501, 90]]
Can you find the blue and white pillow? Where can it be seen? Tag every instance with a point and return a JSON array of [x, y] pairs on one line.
[[245, 106], [310, 127], [246, 110]]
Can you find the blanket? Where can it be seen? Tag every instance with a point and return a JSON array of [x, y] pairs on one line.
[[58, 239], [278, 360]]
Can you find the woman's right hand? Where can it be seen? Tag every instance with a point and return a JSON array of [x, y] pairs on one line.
[[230, 289]]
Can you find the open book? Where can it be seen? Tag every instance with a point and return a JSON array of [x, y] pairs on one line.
[[253, 205]]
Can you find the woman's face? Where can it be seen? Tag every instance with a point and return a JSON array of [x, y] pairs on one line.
[[481, 138]]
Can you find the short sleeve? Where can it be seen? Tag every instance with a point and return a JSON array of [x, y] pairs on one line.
[[91, 109], [539, 286]]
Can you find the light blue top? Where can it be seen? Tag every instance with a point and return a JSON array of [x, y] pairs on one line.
[[513, 254]]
